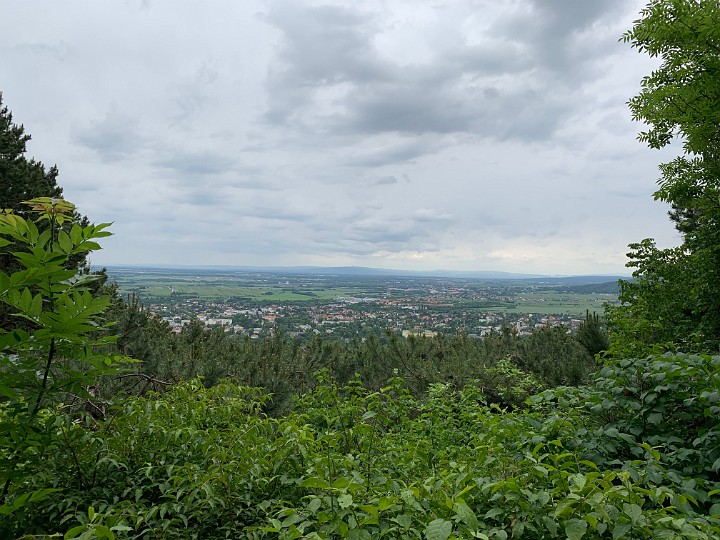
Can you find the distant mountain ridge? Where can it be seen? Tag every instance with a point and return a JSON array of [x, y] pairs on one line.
[[367, 271]]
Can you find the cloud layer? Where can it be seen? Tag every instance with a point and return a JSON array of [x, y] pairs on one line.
[[473, 135]]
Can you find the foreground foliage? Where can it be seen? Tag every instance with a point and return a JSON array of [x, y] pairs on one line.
[[52, 355], [352, 463]]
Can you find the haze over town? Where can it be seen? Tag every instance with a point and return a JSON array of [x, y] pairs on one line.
[[473, 135]]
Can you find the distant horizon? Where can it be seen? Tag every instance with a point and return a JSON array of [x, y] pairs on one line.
[[364, 271]]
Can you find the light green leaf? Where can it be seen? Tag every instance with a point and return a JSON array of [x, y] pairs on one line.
[[384, 503]]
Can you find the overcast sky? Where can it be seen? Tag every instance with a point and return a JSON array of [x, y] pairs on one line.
[[466, 134]]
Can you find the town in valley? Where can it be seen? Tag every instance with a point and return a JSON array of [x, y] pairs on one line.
[[345, 305]]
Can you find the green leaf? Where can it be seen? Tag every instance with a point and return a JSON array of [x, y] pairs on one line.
[[104, 532], [633, 511], [620, 530], [76, 234], [8, 391], [543, 498], [314, 505], [74, 532], [565, 507], [579, 480], [36, 306], [576, 528], [384, 503], [318, 483], [88, 246], [438, 529], [21, 501], [64, 240], [551, 525], [466, 514]]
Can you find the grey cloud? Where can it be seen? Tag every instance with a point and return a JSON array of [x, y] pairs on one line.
[[520, 114], [547, 30], [192, 96], [492, 57], [386, 181], [325, 44], [421, 228], [114, 138], [58, 51], [294, 134], [429, 215], [279, 212], [407, 109], [255, 182], [491, 88], [202, 197], [321, 47], [196, 163], [206, 73], [186, 106], [567, 16], [385, 152]]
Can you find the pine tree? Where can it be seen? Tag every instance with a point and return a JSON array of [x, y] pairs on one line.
[[21, 178]]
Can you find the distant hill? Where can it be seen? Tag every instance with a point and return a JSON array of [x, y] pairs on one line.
[[366, 271], [609, 287], [581, 283]]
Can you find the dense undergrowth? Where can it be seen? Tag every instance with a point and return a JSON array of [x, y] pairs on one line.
[[633, 455]]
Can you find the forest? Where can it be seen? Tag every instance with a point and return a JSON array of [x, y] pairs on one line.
[[113, 426]]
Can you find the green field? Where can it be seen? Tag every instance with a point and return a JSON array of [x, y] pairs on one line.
[[219, 291], [548, 303], [477, 296]]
